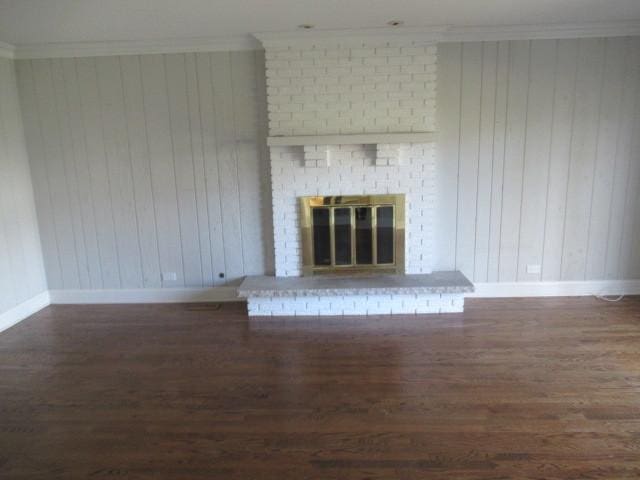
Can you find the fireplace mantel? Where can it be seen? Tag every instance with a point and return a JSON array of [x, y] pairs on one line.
[[352, 139]]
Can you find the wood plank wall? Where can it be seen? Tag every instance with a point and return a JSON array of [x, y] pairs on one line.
[[21, 268], [148, 165], [540, 159], [157, 163]]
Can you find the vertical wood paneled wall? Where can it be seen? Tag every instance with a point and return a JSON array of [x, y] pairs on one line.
[[21, 268], [540, 159], [145, 165], [148, 165]]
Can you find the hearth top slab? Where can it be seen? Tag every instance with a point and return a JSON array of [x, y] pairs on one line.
[[434, 283]]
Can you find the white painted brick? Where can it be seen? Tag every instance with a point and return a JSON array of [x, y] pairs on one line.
[[303, 63], [413, 68], [362, 52], [311, 54], [412, 86], [285, 55], [387, 69], [387, 87], [353, 305], [399, 78], [351, 79], [277, 116], [424, 59], [374, 61], [338, 88], [337, 71], [323, 162], [289, 89], [349, 61], [364, 88], [277, 81], [352, 173], [375, 79], [412, 51], [399, 60], [364, 70], [333, 53], [388, 52], [275, 64], [339, 91], [285, 72]]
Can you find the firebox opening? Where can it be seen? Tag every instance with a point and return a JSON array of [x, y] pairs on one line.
[[352, 234]]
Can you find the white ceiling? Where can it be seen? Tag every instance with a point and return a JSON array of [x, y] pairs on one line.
[[28, 22]]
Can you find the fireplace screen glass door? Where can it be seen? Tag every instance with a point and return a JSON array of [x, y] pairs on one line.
[[342, 234]]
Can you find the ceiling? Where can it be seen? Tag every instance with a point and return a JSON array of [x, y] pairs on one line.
[[33, 22]]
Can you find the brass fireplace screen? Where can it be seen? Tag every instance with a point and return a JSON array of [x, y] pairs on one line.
[[353, 233]]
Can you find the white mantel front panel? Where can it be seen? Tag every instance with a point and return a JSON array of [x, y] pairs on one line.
[[352, 171]]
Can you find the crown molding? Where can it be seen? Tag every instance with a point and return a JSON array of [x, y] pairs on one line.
[[426, 35], [7, 50], [396, 36], [541, 31], [139, 47]]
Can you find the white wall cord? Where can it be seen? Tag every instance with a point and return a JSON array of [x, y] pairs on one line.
[[607, 298]]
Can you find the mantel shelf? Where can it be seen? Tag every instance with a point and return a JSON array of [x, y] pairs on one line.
[[353, 139]]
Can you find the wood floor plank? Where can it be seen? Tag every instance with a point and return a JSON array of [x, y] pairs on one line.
[[512, 388]]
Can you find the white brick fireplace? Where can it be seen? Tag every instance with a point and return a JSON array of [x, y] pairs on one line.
[[352, 117]]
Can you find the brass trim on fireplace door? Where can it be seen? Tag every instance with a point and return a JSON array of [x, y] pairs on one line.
[[307, 204]]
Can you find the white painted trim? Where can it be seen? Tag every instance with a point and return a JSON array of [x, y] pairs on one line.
[[7, 50], [541, 31], [556, 289], [140, 47], [24, 310], [352, 139], [410, 35], [141, 295]]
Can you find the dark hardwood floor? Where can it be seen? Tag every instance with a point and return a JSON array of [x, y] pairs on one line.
[[518, 388]]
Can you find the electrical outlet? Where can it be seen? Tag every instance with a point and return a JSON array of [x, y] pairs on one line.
[[169, 276], [534, 269]]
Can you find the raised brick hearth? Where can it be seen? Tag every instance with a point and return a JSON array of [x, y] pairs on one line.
[[440, 292]]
